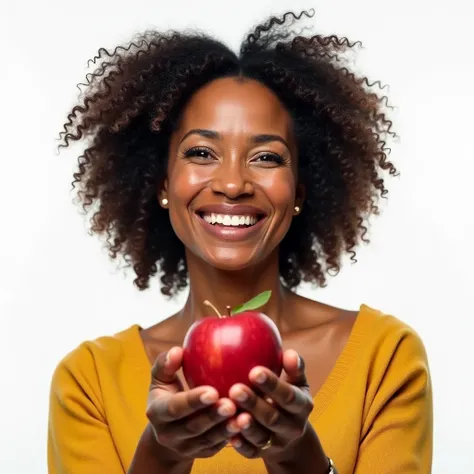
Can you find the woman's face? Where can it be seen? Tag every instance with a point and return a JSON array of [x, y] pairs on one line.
[[231, 185]]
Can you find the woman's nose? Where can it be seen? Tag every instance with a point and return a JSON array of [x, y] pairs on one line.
[[232, 179]]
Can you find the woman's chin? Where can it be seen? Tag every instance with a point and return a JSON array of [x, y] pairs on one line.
[[231, 265], [231, 261]]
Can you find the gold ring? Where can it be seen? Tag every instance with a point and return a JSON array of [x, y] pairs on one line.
[[267, 444]]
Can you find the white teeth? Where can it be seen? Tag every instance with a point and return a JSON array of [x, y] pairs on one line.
[[229, 220]]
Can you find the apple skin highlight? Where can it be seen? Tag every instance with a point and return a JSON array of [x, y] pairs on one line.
[[221, 351]]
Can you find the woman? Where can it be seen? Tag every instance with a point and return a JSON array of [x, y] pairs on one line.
[[185, 136]]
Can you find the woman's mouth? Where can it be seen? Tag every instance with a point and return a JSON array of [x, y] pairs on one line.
[[231, 222], [227, 220]]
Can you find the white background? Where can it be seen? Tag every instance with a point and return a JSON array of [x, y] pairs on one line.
[[57, 286]]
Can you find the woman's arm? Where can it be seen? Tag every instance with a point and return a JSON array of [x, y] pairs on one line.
[[308, 458], [79, 439], [397, 435]]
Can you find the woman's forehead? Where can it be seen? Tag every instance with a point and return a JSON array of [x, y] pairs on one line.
[[231, 105]]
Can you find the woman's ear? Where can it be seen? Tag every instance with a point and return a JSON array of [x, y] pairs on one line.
[[162, 194], [299, 199]]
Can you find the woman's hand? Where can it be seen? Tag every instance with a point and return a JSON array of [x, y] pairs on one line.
[[278, 416], [191, 424]]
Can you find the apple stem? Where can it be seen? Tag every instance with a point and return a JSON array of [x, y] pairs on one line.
[[228, 309], [208, 303]]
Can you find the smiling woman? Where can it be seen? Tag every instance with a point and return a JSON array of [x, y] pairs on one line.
[[230, 185], [238, 174]]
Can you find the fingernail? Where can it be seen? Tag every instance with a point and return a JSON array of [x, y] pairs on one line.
[[224, 410], [241, 396], [207, 398], [261, 377], [232, 428], [246, 425], [167, 357], [300, 362], [236, 443]]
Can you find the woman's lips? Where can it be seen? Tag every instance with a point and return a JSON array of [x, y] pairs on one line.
[[229, 232]]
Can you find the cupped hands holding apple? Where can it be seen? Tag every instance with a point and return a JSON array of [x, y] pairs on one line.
[[243, 389]]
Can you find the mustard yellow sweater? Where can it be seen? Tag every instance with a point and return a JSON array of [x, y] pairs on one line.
[[373, 414]]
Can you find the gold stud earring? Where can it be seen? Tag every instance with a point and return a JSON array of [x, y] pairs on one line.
[[164, 201], [297, 209]]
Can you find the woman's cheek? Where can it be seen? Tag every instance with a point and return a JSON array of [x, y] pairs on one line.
[[279, 188], [187, 181]]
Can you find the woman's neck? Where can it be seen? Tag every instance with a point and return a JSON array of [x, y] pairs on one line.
[[224, 288]]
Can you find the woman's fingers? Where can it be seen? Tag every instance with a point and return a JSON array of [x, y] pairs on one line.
[[197, 423], [267, 414], [192, 423], [253, 432], [163, 372], [294, 369], [245, 448], [214, 437], [167, 408], [288, 397], [202, 434], [202, 421], [207, 452]]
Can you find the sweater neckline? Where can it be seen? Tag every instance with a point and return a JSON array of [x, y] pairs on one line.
[[328, 389]]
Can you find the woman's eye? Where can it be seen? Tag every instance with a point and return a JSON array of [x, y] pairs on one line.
[[200, 153], [271, 158]]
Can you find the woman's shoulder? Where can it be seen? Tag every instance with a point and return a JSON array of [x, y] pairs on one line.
[[369, 334], [388, 339], [366, 327], [106, 353], [386, 326], [105, 346]]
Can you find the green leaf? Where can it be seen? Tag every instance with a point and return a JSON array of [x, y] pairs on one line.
[[254, 303]]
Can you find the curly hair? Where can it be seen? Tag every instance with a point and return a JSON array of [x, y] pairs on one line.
[[133, 100]]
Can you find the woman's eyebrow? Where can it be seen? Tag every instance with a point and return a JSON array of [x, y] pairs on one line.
[[257, 139], [266, 138], [203, 133]]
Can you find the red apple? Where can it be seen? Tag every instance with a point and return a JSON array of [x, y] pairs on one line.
[[221, 351]]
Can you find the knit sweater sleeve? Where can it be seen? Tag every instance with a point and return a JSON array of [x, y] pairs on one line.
[[398, 418], [79, 440]]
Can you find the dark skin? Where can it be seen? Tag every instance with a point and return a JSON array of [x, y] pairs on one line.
[[247, 154]]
